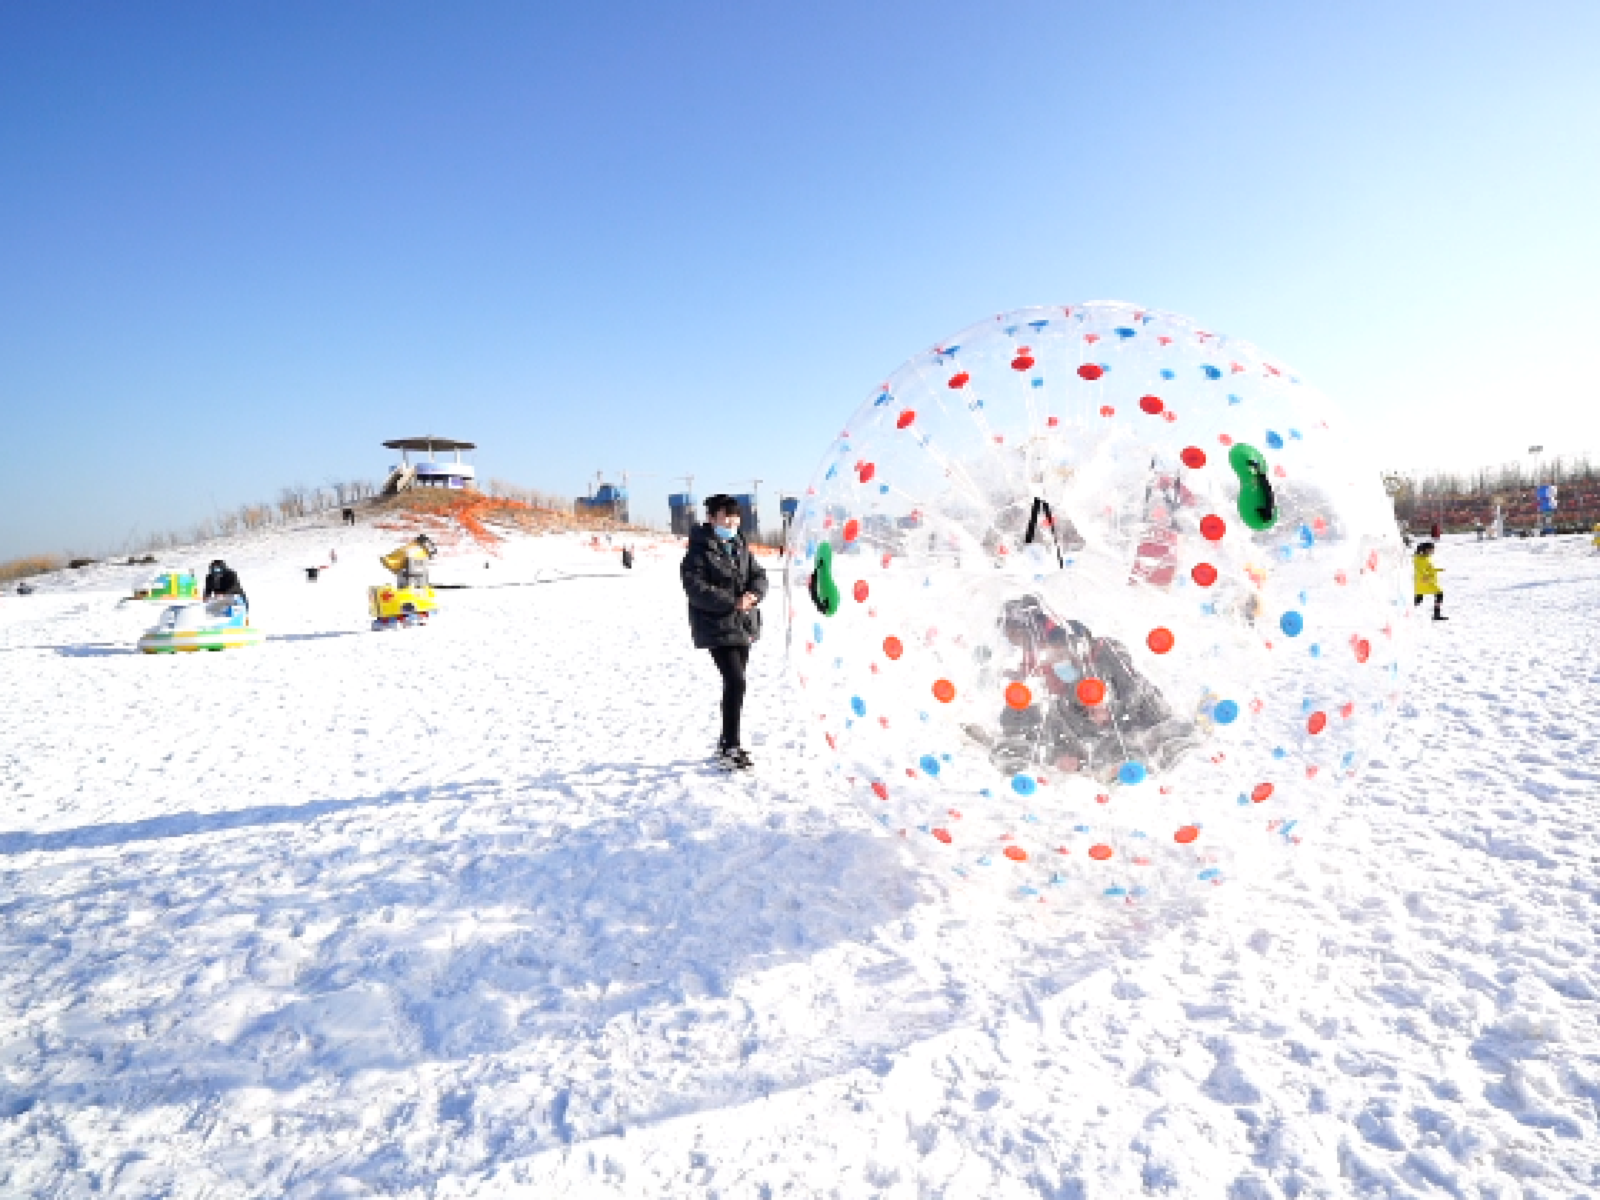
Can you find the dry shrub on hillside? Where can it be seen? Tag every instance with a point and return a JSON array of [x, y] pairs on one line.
[[30, 564]]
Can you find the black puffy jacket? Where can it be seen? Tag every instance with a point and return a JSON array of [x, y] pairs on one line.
[[223, 583], [715, 574]]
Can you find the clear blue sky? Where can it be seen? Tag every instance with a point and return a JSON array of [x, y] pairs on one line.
[[241, 244]]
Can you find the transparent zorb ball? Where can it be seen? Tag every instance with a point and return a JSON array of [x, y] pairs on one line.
[[1091, 602]]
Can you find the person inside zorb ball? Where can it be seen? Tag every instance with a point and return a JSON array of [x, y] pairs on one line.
[[1091, 602]]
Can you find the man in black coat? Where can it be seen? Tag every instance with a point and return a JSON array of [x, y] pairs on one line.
[[724, 584], [222, 583]]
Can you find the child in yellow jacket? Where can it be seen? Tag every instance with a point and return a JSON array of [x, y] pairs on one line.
[[1427, 580]]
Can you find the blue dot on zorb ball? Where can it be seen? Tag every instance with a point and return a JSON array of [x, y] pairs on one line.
[[883, 489], [1316, 650], [1131, 773], [1166, 374], [1212, 372], [1124, 332], [1291, 623], [1274, 442], [929, 763], [858, 706], [1225, 713], [1024, 785], [1232, 399], [816, 631]]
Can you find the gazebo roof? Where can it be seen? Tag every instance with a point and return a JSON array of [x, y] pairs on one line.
[[430, 444]]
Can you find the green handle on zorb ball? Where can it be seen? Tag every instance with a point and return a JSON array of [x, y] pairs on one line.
[[1258, 507], [824, 591]]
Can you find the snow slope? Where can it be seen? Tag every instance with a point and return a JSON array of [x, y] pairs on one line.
[[460, 911]]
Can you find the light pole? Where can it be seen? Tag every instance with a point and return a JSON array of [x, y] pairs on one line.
[[1535, 453]]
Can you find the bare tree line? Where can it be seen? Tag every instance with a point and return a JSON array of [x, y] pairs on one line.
[[533, 497], [293, 504], [1470, 494]]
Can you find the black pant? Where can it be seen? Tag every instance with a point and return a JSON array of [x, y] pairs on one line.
[[1438, 601], [731, 661]]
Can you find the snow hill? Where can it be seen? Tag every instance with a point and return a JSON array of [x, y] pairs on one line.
[[461, 912]]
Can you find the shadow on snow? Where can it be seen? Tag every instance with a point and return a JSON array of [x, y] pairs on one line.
[[519, 953]]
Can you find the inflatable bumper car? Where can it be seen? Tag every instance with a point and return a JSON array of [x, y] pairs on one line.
[[169, 586], [219, 625]]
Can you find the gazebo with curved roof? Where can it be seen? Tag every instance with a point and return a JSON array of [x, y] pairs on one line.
[[430, 470]]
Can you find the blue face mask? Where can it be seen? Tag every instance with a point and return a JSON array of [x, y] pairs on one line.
[[724, 533]]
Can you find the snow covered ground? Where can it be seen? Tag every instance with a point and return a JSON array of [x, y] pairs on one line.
[[461, 911]]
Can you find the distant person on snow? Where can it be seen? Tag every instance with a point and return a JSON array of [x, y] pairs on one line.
[[222, 583], [1427, 580], [1436, 533], [627, 557], [724, 583]]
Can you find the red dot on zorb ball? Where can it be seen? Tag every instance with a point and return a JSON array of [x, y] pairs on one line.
[[1204, 574], [1022, 362], [960, 379], [1186, 835], [905, 419], [1100, 853], [943, 835], [1018, 695], [1151, 404], [1090, 371], [944, 691], [1016, 854], [1363, 650], [1212, 528], [1160, 640], [893, 647], [1107, 411], [1092, 691], [860, 591], [867, 472], [1317, 722], [852, 529], [1260, 792], [1194, 457], [881, 790]]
